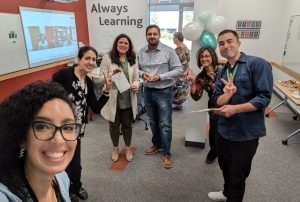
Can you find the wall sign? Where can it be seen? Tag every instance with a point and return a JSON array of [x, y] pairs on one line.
[[107, 19], [249, 29]]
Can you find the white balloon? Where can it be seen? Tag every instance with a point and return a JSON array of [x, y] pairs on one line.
[[217, 24], [192, 31], [205, 18]]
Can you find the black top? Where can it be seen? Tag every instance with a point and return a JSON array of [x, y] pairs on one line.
[[81, 94]]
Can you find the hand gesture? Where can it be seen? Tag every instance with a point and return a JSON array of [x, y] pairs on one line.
[[227, 110], [117, 70], [229, 88], [190, 77], [108, 82], [150, 77], [134, 88], [155, 78], [147, 76]]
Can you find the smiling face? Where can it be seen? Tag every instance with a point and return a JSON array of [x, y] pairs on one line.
[[123, 46], [52, 156], [205, 59], [152, 36], [229, 46], [88, 62]]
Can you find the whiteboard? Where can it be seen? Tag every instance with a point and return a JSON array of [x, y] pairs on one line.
[[291, 56], [13, 51]]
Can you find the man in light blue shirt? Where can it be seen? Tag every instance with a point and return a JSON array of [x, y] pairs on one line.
[[159, 65]]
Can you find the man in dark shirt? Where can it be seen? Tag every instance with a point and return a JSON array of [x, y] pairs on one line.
[[243, 90]]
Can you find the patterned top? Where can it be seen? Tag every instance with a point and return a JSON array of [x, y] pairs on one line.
[[184, 56], [78, 98], [207, 82], [81, 94], [163, 61], [181, 84]]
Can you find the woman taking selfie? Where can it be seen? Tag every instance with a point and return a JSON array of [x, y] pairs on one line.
[[38, 137]]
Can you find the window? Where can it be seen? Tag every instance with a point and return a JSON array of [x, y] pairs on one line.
[[171, 16]]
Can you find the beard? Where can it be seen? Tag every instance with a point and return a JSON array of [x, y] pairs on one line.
[[153, 42]]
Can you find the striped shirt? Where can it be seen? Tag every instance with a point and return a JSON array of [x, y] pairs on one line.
[[162, 61]]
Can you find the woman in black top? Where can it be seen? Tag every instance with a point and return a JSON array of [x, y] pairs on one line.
[[81, 93]]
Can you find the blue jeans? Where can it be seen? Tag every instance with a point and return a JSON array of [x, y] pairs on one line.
[[158, 103]]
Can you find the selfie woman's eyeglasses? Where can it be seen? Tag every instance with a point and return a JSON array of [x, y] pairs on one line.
[[46, 131]]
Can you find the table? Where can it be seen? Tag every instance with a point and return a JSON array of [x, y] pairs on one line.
[[287, 95]]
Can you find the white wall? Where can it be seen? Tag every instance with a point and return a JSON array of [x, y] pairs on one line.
[[272, 35], [275, 17]]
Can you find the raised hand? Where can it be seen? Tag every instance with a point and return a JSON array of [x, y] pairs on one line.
[[229, 88], [108, 82], [190, 77]]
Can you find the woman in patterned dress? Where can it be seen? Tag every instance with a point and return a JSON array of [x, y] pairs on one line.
[[181, 85], [207, 60]]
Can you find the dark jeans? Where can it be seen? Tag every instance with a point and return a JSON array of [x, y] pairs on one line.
[[235, 160], [124, 118], [74, 169], [158, 103]]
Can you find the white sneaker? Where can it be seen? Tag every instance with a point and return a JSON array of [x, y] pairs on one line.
[[217, 196]]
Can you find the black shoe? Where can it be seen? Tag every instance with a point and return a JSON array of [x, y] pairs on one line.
[[82, 194], [74, 197], [210, 158]]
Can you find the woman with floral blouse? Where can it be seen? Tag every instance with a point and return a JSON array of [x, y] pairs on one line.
[[181, 85], [207, 60]]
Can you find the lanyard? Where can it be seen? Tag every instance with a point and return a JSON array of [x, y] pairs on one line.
[[234, 71]]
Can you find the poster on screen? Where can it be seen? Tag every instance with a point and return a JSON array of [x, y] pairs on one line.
[[107, 19]]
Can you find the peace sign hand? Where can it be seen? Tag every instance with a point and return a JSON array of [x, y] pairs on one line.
[[108, 82], [229, 88]]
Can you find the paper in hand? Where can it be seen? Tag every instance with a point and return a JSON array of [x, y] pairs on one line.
[[205, 110], [121, 81]]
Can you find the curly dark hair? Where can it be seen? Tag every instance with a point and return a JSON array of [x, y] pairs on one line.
[[16, 115], [213, 54], [114, 54]]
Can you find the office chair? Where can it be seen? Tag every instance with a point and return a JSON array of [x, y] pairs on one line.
[[141, 105]]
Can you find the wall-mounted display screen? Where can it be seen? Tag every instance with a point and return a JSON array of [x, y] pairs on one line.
[[50, 35]]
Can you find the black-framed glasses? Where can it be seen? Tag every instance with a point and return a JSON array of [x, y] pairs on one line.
[[46, 131]]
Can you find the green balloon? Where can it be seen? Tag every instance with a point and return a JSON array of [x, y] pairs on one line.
[[208, 40]]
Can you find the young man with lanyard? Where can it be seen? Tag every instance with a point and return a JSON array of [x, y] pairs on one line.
[[243, 90]]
